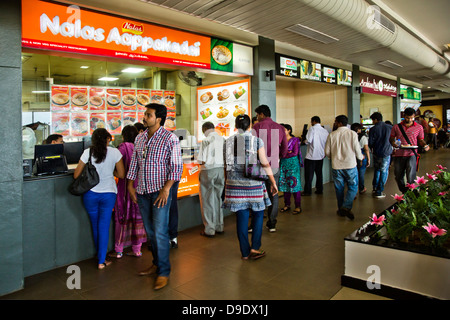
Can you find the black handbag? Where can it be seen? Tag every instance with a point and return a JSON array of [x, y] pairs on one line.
[[86, 181]]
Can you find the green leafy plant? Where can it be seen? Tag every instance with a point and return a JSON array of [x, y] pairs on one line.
[[422, 212]]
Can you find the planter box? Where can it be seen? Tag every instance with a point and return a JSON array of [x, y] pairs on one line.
[[401, 270]]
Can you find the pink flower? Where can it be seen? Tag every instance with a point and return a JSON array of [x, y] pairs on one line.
[[394, 211], [437, 172], [376, 220], [441, 167], [443, 193], [421, 180], [411, 186], [431, 176], [398, 197], [434, 230]]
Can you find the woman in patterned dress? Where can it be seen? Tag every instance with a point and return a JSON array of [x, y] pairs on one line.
[[244, 195], [290, 182]]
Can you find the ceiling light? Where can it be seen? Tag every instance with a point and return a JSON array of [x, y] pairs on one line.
[[133, 70], [40, 91], [108, 79], [84, 67]]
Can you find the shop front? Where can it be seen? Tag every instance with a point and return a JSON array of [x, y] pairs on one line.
[[84, 69], [377, 94], [305, 89]]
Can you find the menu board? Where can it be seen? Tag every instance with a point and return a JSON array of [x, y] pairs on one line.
[[328, 74], [221, 104], [79, 110], [287, 66], [344, 77], [310, 70]]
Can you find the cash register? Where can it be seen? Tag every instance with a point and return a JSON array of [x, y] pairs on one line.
[[50, 159]]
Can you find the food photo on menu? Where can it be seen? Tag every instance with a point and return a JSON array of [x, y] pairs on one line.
[[221, 104], [78, 111]]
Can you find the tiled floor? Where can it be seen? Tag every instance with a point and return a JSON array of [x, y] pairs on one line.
[[305, 259]]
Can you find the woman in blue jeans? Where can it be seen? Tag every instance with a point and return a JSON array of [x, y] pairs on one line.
[[99, 201], [242, 194]]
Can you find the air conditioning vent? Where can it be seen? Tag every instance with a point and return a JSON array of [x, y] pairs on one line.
[[383, 21], [425, 78], [312, 34], [390, 64], [442, 61]]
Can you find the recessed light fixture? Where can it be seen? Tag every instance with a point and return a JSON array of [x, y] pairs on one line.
[[84, 67], [108, 79], [40, 91], [133, 70]]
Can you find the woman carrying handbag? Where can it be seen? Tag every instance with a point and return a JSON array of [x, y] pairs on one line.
[[99, 201]]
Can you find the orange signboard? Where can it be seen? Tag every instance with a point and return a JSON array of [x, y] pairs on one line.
[[69, 28], [189, 183]]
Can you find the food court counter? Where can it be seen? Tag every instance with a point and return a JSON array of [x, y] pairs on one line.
[[57, 230], [56, 227]]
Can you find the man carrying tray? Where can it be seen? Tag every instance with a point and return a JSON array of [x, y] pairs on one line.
[[406, 157]]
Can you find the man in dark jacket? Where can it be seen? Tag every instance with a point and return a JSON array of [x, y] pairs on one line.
[[381, 148]]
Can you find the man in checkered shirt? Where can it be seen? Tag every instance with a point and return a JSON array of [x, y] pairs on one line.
[[156, 164]]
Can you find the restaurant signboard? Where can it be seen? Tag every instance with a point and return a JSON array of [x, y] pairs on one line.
[[56, 26], [377, 85], [287, 66]]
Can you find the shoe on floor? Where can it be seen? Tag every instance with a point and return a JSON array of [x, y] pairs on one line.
[[174, 243], [305, 194], [346, 212], [297, 211], [380, 195], [271, 229], [206, 235], [148, 271], [363, 191], [250, 229], [161, 282]]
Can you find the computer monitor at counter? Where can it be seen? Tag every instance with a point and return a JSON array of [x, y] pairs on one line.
[[48, 150], [73, 151]]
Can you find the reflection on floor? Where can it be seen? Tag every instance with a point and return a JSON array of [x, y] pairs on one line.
[[305, 259]]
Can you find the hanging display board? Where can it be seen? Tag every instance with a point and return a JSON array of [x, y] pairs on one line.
[[377, 85], [221, 104]]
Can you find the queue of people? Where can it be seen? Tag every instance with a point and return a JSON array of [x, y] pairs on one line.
[[148, 168]]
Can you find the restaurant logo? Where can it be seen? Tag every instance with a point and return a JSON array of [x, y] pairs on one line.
[[132, 28]]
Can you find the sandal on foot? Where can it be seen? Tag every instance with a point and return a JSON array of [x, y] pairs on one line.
[[297, 211], [104, 264], [134, 254], [257, 255], [116, 255], [285, 209]]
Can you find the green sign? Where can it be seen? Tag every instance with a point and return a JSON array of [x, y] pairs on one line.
[[221, 55], [410, 93]]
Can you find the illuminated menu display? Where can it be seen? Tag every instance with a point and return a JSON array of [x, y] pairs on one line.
[[310, 70], [328, 74], [287, 66]]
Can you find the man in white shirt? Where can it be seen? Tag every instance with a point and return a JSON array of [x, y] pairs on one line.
[[342, 147], [212, 180], [315, 139]]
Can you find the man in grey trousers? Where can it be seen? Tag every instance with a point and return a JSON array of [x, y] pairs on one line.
[[212, 180]]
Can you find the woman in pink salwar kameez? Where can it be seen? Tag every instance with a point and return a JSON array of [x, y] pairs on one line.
[[129, 227]]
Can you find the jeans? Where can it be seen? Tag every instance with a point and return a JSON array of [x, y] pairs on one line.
[[404, 165], [362, 166], [311, 167], [156, 223], [242, 217], [380, 173], [341, 177], [173, 213], [272, 210], [99, 207]]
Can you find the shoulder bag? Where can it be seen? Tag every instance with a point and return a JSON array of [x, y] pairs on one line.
[[253, 169], [86, 181], [409, 142]]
